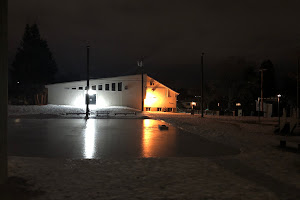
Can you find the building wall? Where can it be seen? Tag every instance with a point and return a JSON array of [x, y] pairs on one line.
[[159, 97], [156, 95]]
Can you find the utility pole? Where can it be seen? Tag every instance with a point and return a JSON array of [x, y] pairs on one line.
[[87, 97], [262, 90], [298, 90], [3, 90], [202, 83], [140, 64]]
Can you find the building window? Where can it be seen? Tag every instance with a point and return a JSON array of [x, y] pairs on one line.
[[158, 109], [67, 88], [170, 109], [80, 88], [94, 87], [120, 86], [106, 86], [148, 109], [113, 86], [73, 88], [85, 88], [151, 83], [99, 87], [169, 93]]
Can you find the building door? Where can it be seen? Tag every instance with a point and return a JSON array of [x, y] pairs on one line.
[[92, 99]]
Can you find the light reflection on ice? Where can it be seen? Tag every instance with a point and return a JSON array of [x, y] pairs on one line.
[[147, 137], [89, 139]]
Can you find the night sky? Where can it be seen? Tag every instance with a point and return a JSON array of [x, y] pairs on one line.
[[170, 34]]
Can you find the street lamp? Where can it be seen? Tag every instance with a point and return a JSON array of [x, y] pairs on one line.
[[278, 97]]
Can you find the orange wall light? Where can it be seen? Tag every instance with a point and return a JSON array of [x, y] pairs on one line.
[[150, 99]]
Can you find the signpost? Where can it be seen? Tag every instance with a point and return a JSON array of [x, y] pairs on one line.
[[3, 90]]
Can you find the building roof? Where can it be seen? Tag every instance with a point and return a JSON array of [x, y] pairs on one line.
[[110, 78]]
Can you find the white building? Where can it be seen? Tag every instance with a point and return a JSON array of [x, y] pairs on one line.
[[115, 91]]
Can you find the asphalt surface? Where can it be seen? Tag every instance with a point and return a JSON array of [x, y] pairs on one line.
[[105, 138]]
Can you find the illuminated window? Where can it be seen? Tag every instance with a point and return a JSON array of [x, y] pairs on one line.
[[80, 88], [148, 109], [158, 109], [120, 86], [106, 86], [94, 87], [113, 87], [99, 87]]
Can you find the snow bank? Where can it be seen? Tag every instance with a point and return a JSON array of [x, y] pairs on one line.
[[63, 111]]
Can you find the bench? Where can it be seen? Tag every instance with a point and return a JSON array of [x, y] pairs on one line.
[[75, 113], [98, 113], [125, 113]]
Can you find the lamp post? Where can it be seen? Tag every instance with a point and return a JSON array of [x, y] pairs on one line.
[[202, 82], [262, 90], [297, 114], [3, 90], [87, 97], [258, 103], [140, 64], [278, 97]]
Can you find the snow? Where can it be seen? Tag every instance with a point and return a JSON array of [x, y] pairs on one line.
[[260, 171], [64, 111]]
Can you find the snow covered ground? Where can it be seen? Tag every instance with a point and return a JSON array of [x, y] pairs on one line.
[[63, 111], [260, 171]]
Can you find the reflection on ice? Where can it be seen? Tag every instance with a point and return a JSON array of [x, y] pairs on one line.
[[147, 134], [89, 139]]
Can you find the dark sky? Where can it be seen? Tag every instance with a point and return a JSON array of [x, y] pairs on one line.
[[170, 34]]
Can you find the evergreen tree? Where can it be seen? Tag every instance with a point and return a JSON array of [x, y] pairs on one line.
[[269, 82], [34, 63]]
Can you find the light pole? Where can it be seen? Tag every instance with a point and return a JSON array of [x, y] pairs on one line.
[[258, 103], [87, 97], [202, 82], [140, 64], [278, 97], [297, 114], [261, 89], [3, 90]]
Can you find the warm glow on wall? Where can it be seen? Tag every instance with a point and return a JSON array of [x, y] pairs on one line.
[[150, 98]]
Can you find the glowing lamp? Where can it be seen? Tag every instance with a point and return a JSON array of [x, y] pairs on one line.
[[91, 92]]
